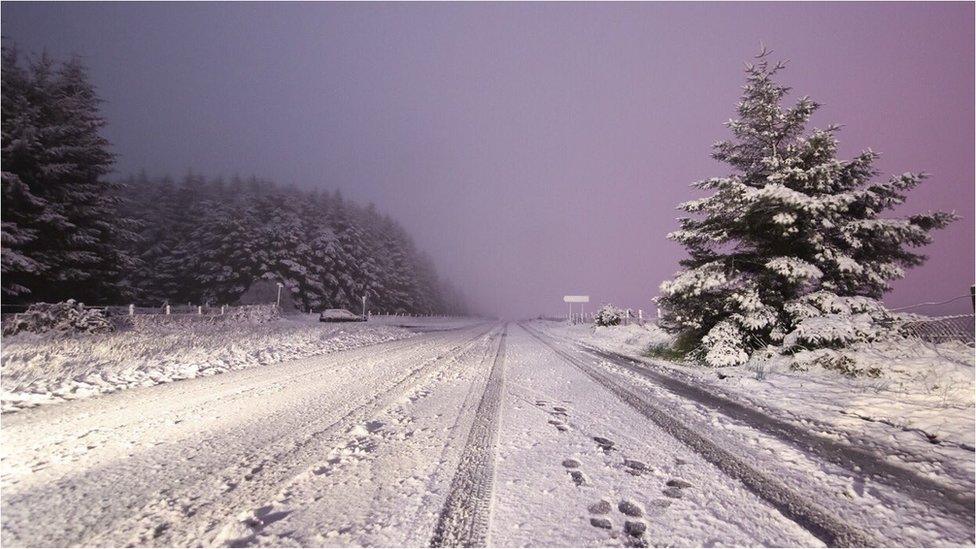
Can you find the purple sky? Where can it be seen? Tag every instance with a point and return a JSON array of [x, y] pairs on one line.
[[533, 149]]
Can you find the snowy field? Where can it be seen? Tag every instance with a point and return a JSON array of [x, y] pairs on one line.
[[467, 433], [42, 368]]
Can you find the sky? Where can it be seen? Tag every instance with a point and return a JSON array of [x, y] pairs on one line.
[[532, 149]]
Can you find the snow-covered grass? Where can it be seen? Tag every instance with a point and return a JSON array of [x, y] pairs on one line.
[[921, 393], [40, 368]]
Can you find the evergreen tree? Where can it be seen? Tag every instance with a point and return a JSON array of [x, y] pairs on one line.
[[792, 234], [61, 232], [23, 210], [208, 242]]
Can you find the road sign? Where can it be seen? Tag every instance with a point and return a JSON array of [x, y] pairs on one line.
[[576, 298]]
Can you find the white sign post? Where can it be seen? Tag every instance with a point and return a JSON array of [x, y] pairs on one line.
[[581, 299]]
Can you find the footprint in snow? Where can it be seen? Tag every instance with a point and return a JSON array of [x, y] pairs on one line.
[[635, 531], [579, 479], [601, 507], [634, 467], [678, 483], [630, 508], [560, 426], [605, 444]]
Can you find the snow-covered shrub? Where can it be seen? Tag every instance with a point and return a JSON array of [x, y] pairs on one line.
[[608, 316], [851, 362], [725, 345], [790, 246], [763, 361], [66, 316]]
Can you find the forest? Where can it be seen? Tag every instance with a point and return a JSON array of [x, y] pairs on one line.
[[203, 241], [74, 230]]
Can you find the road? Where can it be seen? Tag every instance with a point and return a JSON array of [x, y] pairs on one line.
[[494, 434]]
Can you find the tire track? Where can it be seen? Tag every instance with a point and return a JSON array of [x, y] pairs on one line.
[[184, 503], [294, 458], [820, 522], [463, 522], [955, 504]]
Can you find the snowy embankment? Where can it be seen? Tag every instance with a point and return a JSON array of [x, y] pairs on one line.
[[923, 395], [42, 368]]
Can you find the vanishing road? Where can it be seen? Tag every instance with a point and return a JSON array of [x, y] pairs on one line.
[[494, 434]]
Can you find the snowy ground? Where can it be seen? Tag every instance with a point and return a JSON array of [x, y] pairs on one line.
[[42, 368], [484, 433], [921, 408]]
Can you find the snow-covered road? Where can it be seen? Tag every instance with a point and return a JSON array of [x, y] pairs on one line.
[[490, 434]]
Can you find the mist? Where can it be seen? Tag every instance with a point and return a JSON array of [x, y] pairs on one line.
[[533, 150]]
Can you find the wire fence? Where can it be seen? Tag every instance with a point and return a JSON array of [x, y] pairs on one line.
[[941, 329], [133, 309], [934, 329], [199, 310]]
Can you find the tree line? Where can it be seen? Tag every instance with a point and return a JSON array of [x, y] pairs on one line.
[[207, 241], [71, 232]]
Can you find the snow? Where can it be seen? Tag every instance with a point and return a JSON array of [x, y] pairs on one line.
[[793, 269], [361, 447], [46, 368], [535, 487], [249, 449], [724, 344], [923, 390]]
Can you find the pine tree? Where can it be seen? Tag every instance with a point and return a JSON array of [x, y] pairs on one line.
[[93, 261], [793, 233], [208, 242], [62, 231], [22, 209]]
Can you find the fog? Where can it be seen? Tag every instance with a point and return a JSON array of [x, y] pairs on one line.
[[533, 150]]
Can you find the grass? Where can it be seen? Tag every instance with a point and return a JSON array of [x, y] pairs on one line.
[[679, 349]]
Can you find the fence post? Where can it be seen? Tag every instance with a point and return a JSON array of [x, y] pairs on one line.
[[167, 308], [132, 309], [199, 309], [222, 309]]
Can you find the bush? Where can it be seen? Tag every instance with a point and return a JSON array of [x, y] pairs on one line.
[[67, 317], [680, 348], [723, 345], [608, 316]]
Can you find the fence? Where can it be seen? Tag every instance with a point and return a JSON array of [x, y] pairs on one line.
[[934, 329], [627, 317], [132, 309], [941, 329], [199, 310]]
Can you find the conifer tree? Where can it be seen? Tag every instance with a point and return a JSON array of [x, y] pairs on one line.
[[62, 231], [23, 210], [792, 234]]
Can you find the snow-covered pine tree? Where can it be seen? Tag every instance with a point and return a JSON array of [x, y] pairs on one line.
[[326, 250], [791, 237], [22, 208], [61, 231], [94, 260]]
